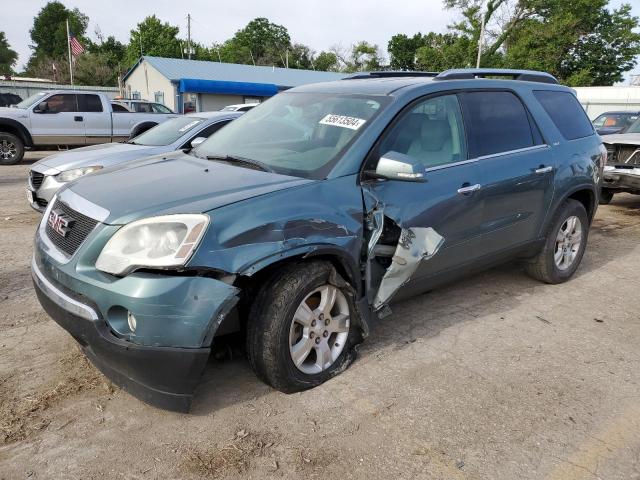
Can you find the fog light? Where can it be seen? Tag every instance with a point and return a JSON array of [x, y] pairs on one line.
[[131, 320]]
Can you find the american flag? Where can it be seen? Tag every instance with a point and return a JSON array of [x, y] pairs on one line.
[[76, 46]]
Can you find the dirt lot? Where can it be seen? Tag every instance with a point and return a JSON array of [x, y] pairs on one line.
[[496, 377]]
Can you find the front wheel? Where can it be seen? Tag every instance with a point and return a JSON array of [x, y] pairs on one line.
[[564, 246], [301, 329], [11, 149]]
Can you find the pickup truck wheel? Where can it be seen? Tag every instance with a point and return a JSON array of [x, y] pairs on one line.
[[564, 246], [606, 196], [300, 331], [11, 149]]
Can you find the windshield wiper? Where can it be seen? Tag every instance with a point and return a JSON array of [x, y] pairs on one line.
[[248, 162]]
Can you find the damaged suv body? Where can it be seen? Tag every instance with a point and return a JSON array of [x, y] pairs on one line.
[[622, 172], [301, 221]]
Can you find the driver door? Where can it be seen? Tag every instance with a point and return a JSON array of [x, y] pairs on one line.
[[57, 120], [449, 199]]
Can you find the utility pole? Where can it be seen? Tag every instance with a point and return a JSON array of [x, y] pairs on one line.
[[189, 35], [481, 38]]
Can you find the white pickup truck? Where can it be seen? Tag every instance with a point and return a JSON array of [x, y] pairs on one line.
[[68, 118]]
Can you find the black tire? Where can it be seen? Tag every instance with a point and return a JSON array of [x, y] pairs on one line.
[[270, 320], [543, 266], [606, 196], [10, 143]]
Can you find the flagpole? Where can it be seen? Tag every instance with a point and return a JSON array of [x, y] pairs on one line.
[[69, 49]]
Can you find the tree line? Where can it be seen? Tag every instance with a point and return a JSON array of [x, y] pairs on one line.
[[582, 42]]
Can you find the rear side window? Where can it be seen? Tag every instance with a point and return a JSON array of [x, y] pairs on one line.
[[90, 103], [495, 122], [566, 112]]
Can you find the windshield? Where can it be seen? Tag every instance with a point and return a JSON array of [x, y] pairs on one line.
[[616, 120], [167, 132], [26, 103], [299, 134], [634, 127]]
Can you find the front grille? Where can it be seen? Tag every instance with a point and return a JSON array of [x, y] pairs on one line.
[[623, 154], [36, 179], [78, 229]]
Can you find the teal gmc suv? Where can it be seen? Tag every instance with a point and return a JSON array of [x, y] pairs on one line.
[[300, 223]]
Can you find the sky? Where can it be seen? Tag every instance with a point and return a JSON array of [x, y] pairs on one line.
[[319, 24]]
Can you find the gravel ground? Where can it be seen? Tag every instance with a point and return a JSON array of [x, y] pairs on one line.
[[495, 377]]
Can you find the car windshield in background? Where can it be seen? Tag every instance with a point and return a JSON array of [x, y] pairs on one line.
[[634, 127], [26, 103], [167, 132], [299, 134], [616, 120]]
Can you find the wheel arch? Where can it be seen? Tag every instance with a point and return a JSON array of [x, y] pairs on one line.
[[14, 127], [141, 127], [585, 194]]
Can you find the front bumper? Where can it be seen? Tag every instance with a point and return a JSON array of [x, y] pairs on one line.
[[165, 377], [622, 178]]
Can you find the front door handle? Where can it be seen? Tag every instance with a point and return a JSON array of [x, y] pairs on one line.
[[78, 118], [543, 169], [468, 189]]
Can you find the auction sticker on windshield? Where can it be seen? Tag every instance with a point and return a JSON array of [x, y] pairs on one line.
[[342, 121]]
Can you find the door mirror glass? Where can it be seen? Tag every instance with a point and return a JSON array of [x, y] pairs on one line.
[[42, 107], [197, 141], [398, 166]]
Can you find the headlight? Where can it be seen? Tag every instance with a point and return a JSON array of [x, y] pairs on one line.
[[156, 242], [70, 175]]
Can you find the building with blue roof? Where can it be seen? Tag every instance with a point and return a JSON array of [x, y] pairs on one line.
[[196, 85]]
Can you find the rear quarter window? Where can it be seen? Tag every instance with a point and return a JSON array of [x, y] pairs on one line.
[[566, 113]]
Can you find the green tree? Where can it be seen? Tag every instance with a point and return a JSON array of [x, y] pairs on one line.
[[326, 62], [403, 49], [49, 31], [260, 42], [362, 56], [95, 69], [8, 56], [152, 37], [443, 51], [582, 43]]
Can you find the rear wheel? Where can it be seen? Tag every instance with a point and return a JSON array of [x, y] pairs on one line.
[[606, 196], [564, 246], [301, 330], [11, 149]]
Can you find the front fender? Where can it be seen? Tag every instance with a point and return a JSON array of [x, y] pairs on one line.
[[319, 218]]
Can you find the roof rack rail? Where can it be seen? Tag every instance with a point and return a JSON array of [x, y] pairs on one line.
[[390, 74], [522, 75]]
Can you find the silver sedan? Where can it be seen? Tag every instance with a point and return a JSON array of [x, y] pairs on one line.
[[48, 175]]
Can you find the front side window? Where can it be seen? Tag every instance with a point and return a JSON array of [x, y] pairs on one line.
[[430, 132], [62, 103], [32, 100], [167, 132], [300, 134], [496, 122], [634, 127], [566, 113]]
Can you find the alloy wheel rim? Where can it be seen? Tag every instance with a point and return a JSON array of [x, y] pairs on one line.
[[568, 242], [8, 150], [319, 330]]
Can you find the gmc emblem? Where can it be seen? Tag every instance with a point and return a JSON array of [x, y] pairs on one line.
[[60, 222]]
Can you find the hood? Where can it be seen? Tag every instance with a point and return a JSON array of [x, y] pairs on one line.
[[8, 112], [622, 139], [179, 183], [105, 154]]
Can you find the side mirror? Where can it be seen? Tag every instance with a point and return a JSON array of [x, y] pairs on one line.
[[197, 141], [42, 107], [398, 166]]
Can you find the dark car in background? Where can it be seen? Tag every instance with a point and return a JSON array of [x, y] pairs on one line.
[[622, 172], [300, 222], [614, 122], [9, 99]]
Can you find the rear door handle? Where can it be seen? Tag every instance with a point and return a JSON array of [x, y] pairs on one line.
[[466, 190], [78, 118], [544, 169]]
